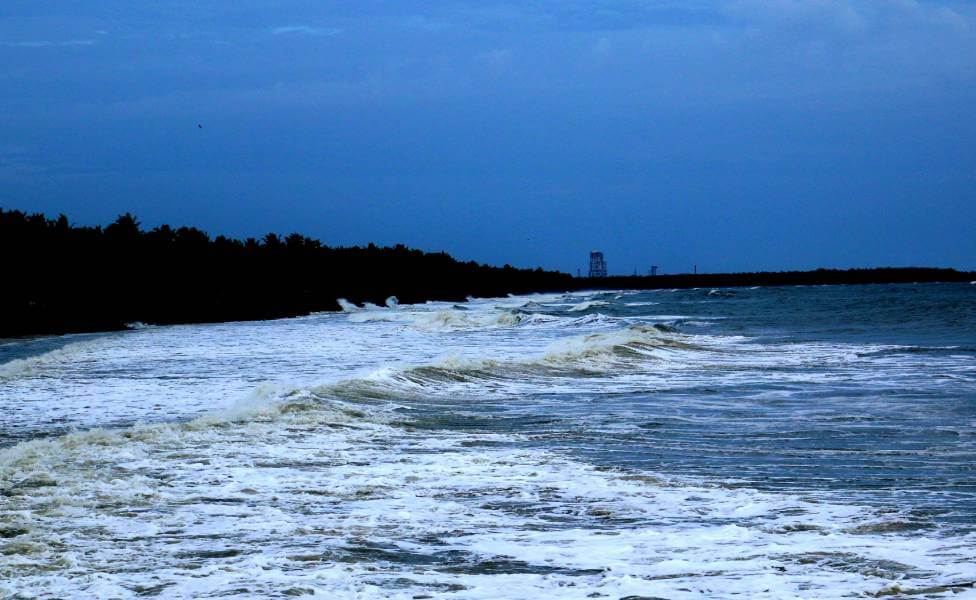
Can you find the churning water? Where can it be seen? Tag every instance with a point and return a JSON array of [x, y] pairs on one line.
[[758, 443]]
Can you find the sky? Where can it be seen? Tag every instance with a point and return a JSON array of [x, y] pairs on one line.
[[733, 135]]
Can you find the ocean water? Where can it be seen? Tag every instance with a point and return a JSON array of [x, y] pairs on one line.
[[795, 442]]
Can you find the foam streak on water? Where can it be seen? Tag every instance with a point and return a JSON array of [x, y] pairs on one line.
[[764, 443]]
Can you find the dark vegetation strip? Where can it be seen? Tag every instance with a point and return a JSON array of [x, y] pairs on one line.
[[59, 278], [773, 278]]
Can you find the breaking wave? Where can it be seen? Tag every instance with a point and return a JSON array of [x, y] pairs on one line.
[[347, 306], [39, 363], [595, 355], [587, 305], [264, 404], [342, 402]]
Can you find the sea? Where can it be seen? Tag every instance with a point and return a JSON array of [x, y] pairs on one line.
[[777, 442]]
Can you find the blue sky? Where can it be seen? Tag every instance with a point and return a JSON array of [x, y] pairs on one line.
[[734, 135]]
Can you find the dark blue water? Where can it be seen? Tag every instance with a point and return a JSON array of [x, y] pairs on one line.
[[791, 442], [866, 393]]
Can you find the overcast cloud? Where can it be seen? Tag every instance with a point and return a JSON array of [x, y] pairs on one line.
[[728, 134]]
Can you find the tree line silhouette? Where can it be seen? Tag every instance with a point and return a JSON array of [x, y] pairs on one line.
[[61, 278], [775, 278]]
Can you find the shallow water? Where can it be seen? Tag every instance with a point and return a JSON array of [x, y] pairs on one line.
[[759, 443]]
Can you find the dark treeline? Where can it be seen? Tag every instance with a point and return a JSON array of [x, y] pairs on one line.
[[773, 278], [59, 278]]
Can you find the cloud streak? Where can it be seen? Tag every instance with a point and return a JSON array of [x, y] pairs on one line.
[[47, 43], [305, 30]]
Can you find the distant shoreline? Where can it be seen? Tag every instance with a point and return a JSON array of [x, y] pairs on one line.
[[62, 279], [819, 277], [878, 275]]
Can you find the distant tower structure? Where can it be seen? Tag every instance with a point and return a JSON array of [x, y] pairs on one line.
[[653, 270], [598, 266]]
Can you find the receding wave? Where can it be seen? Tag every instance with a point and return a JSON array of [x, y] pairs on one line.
[[264, 404], [453, 319], [933, 350]]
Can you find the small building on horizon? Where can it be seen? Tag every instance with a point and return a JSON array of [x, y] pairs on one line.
[[598, 266]]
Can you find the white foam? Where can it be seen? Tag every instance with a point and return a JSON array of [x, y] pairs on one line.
[[587, 305], [367, 317], [305, 455], [295, 502], [347, 306], [39, 364]]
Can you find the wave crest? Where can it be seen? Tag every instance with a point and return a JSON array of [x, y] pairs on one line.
[[33, 365], [594, 355]]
